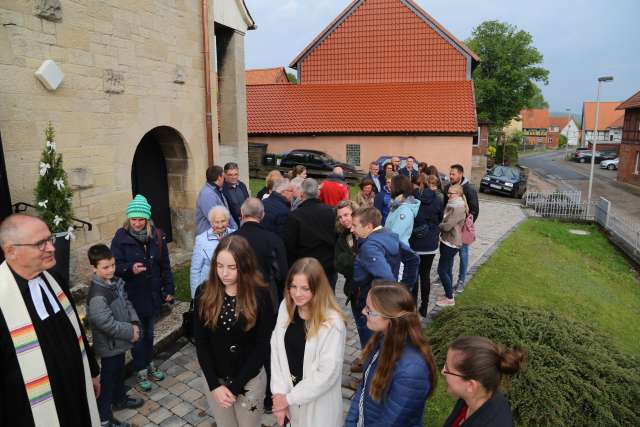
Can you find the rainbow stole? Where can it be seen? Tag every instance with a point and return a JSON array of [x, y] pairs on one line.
[[29, 353]]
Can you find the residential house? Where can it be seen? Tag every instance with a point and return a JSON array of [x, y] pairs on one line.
[[572, 132], [535, 127], [384, 78], [266, 76], [556, 125], [607, 138], [629, 165], [131, 112]]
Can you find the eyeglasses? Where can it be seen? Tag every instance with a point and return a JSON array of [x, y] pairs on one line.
[[445, 371], [371, 313], [452, 194], [40, 244]]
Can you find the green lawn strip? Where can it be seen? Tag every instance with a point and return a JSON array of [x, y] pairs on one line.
[[181, 282], [543, 266]]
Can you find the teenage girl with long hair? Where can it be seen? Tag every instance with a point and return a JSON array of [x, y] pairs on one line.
[[234, 320], [400, 373], [307, 348]]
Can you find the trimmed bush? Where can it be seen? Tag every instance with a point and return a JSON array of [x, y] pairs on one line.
[[575, 376]]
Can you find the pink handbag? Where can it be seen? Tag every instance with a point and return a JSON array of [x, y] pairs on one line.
[[468, 231]]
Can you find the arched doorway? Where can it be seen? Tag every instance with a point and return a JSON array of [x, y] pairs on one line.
[[158, 172]]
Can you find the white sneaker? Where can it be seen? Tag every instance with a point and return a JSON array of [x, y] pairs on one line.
[[446, 302]]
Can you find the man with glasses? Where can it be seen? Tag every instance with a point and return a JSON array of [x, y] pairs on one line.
[[47, 370], [277, 207], [234, 190]]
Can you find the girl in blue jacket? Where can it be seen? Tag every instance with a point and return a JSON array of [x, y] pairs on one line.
[[400, 373]]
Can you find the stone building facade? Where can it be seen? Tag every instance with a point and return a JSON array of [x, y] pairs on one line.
[[130, 113]]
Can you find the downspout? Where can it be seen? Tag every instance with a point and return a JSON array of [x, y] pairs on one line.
[[207, 80]]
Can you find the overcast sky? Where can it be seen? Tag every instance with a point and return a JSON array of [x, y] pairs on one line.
[[580, 39]]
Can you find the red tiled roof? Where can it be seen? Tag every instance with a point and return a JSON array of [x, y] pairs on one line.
[[606, 116], [560, 121], [378, 41], [266, 76], [434, 107], [535, 118], [618, 123], [633, 102]]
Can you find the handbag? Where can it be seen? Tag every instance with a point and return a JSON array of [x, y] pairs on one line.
[[468, 230]]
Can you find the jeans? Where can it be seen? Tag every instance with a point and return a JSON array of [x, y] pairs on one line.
[[364, 333], [111, 385], [445, 268], [142, 351], [426, 261], [464, 263]]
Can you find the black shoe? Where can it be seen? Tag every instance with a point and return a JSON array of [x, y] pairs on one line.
[[114, 423], [268, 406], [129, 403], [423, 310]]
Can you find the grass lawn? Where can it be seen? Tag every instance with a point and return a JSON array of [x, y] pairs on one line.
[[543, 266]]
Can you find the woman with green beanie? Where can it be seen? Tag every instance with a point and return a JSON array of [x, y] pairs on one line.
[[142, 260]]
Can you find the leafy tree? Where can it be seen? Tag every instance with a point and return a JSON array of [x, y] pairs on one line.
[[509, 66], [562, 142], [292, 78], [537, 100], [52, 192]]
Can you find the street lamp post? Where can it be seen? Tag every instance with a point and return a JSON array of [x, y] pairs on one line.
[[595, 139], [566, 145]]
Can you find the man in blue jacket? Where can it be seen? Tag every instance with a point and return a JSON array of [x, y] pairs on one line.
[[211, 195], [380, 253], [234, 190]]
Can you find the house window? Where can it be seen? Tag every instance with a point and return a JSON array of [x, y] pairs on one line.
[[353, 154], [550, 141], [610, 137], [637, 170], [476, 138]]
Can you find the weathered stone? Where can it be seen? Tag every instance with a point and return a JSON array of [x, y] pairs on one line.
[[173, 421], [113, 81], [182, 409], [180, 77], [80, 178], [50, 10], [159, 415]]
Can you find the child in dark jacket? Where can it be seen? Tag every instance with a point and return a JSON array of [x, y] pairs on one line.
[[115, 328]]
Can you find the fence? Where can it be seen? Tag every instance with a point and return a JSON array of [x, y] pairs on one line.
[[569, 206], [566, 205]]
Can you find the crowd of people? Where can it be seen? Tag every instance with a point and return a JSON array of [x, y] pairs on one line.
[[269, 333]]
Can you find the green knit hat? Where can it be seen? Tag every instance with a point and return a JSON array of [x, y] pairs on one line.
[[139, 208]]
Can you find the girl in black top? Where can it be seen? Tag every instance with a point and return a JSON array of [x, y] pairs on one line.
[[473, 371], [234, 320]]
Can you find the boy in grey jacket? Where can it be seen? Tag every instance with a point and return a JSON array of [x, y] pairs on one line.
[[114, 324]]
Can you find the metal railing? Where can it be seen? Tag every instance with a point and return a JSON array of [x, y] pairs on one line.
[[623, 232], [566, 205], [79, 224]]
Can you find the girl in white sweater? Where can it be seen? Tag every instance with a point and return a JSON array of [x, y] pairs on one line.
[[307, 348]]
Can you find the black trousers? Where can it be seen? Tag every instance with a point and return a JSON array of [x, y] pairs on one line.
[[112, 388], [424, 273]]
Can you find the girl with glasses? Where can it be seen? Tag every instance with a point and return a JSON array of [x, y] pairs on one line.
[[473, 372], [307, 348], [400, 373]]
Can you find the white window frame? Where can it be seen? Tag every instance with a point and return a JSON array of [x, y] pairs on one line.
[[478, 143]]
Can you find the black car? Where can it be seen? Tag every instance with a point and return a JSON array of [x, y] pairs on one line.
[[508, 180], [318, 164]]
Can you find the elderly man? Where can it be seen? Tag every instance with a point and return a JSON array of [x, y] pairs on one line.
[[211, 194], [269, 248], [334, 189], [311, 230], [234, 190], [374, 176], [48, 375], [277, 207]]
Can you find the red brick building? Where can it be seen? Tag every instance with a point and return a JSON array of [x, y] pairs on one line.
[[384, 78], [629, 166], [266, 76], [556, 124]]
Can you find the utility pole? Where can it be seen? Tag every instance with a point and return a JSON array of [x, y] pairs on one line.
[[594, 140]]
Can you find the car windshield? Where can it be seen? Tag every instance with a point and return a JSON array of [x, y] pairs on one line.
[[505, 172]]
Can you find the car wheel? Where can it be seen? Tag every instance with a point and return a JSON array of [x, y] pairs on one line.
[[582, 160], [611, 167]]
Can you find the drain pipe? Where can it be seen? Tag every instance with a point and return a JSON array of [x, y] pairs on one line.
[[207, 80]]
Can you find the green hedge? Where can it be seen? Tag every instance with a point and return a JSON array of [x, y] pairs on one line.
[[575, 377]]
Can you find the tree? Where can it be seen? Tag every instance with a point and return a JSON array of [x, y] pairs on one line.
[[509, 66], [562, 142], [292, 78], [53, 194], [537, 100]]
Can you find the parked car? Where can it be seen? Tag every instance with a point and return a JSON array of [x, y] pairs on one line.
[[318, 163], [584, 156], [508, 180], [609, 164]]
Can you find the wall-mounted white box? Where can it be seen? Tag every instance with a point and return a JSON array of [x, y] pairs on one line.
[[50, 75]]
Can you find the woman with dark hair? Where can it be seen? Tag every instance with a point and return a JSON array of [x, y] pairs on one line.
[[473, 371], [298, 170], [366, 195], [307, 349], [400, 373], [403, 208], [234, 320], [433, 170], [422, 168], [426, 234], [142, 260]]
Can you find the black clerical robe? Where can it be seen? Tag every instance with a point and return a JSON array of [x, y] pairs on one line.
[[61, 352]]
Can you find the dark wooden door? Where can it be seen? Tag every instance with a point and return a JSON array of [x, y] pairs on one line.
[[5, 197], [149, 178]]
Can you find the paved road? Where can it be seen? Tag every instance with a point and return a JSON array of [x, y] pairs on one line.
[[568, 175]]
